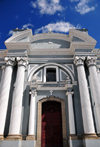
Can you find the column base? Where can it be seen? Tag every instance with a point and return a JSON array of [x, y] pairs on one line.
[[31, 137], [90, 136], [1, 137], [84, 136], [14, 137], [98, 135], [73, 136]]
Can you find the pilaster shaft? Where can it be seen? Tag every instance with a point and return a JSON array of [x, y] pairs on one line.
[[16, 113], [84, 97], [71, 113], [4, 92], [32, 116], [95, 89]]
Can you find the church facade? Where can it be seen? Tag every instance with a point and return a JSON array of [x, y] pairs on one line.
[[50, 90]]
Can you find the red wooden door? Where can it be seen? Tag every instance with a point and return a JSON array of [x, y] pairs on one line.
[[51, 124]]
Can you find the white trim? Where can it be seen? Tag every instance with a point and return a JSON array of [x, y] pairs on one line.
[[45, 68]]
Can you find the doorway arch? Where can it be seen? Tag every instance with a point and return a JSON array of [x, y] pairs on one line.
[[61, 107]]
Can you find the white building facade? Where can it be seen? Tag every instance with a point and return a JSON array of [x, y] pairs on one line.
[[50, 90]]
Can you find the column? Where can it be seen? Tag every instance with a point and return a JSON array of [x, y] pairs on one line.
[[4, 93], [87, 116], [32, 117], [98, 72], [16, 112], [95, 90], [71, 114]]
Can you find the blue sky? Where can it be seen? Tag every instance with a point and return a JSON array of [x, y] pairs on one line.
[[49, 15]]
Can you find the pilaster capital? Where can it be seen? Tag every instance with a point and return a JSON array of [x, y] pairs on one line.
[[9, 61], [91, 61], [69, 91], [78, 60], [22, 61], [33, 92]]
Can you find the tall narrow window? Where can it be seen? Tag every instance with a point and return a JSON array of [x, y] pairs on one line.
[[51, 74]]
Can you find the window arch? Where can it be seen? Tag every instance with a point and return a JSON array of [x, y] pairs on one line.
[[66, 69]]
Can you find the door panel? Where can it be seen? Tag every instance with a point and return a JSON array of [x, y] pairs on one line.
[[51, 124]]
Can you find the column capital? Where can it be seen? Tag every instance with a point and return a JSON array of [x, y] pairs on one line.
[[91, 61], [79, 60], [22, 61], [9, 61]]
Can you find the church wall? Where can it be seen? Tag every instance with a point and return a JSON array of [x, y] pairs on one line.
[[59, 94], [59, 52]]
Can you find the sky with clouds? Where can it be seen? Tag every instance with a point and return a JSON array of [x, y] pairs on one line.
[[43, 16]]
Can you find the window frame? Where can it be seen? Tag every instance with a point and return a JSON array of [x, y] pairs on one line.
[[57, 77]]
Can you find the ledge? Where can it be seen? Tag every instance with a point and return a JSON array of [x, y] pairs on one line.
[[14, 137], [31, 137], [84, 136]]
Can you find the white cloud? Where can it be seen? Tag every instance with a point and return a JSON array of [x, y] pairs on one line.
[[25, 26], [47, 7], [56, 27], [83, 6]]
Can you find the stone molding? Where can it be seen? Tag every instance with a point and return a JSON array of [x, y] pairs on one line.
[[79, 60], [22, 61], [9, 61], [91, 61]]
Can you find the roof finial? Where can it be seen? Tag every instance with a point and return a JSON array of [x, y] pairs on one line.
[[50, 30]]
